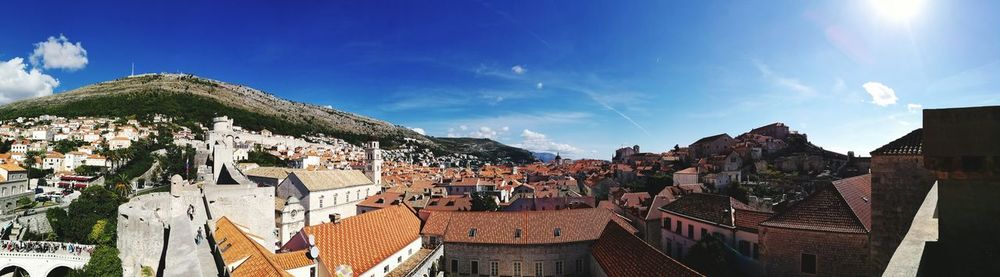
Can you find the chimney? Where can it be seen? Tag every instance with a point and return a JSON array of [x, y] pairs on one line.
[[335, 218]]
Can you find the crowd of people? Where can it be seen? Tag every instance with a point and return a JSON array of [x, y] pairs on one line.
[[45, 247]]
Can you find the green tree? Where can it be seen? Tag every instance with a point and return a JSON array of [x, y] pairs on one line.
[[26, 202], [101, 233], [95, 203], [103, 262], [483, 202], [739, 191], [58, 220]]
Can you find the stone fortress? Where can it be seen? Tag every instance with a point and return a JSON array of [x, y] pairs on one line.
[[166, 231]]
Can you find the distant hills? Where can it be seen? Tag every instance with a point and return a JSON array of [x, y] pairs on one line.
[[193, 99], [544, 156]]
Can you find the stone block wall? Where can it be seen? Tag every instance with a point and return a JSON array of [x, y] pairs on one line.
[[505, 255], [837, 254], [899, 186]]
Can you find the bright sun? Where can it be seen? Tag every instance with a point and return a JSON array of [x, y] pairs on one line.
[[898, 10]]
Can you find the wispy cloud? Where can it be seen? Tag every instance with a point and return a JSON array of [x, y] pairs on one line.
[[780, 80], [914, 107]]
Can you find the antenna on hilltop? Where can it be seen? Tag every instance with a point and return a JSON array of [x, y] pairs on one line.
[[133, 70]]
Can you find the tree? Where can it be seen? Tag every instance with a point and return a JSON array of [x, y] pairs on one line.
[[739, 191], [95, 203], [103, 262], [709, 257], [483, 202], [25, 201], [58, 220], [101, 233]]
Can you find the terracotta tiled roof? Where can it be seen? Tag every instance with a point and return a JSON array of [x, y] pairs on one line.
[[364, 240], [330, 179], [708, 207], [619, 253], [250, 258], [381, 200], [12, 167], [748, 220], [844, 207], [910, 144], [534, 227]]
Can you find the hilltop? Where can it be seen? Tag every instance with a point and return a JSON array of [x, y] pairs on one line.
[[192, 99]]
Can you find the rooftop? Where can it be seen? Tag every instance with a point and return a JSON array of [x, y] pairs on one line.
[[844, 207], [910, 144], [619, 253]]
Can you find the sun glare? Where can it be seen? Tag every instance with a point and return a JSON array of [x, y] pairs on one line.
[[898, 10]]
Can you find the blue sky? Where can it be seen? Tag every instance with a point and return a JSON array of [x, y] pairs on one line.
[[577, 77]]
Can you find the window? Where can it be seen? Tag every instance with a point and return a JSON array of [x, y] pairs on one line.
[[320, 201], [704, 233], [559, 268], [494, 268], [399, 259], [472, 232], [666, 223], [557, 232], [454, 266], [809, 263], [756, 252], [679, 226], [690, 231], [517, 269], [517, 233], [385, 269], [579, 265], [474, 267], [334, 199], [538, 269], [745, 248]]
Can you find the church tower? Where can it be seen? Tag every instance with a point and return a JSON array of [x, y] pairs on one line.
[[373, 157]]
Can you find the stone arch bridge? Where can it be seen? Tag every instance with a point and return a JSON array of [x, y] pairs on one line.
[[40, 264]]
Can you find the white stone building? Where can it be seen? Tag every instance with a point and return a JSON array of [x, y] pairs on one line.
[[327, 192]]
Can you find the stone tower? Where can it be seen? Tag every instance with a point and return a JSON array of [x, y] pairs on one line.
[[373, 159], [899, 185]]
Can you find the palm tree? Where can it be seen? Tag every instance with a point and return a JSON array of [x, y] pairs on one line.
[[121, 184]]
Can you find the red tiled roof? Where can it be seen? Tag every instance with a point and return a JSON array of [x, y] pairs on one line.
[[536, 227], [910, 144], [749, 221], [364, 240], [620, 253], [708, 207], [844, 207], [256, 261]]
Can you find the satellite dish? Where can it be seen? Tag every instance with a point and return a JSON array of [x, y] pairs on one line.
[[312, 240], [313, 252]]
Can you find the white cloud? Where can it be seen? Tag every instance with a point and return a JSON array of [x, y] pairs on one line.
[[505, 129], [484, 132], [17, 83], [419, 131], [463, 127], [59, 53], [540, 85], [881, 94], [518, 69], [538, 142], [914, 107]]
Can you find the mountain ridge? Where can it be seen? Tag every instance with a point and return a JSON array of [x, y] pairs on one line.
[[196, 99]]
